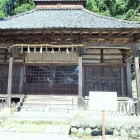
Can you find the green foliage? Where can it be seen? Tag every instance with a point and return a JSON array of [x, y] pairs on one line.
[[123, 9], [13, 7], [120, 7], [130, 15], [91, 5], [133, 4], [23, 8], [2, 14]]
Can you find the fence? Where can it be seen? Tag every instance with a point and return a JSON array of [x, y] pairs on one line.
[[126, 106]]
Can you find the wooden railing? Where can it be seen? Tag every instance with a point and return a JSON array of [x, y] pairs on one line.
[[126, 106]]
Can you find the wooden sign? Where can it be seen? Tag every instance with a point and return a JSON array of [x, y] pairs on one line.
[[102, 101]]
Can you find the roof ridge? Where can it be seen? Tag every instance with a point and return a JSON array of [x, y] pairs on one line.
[[113, 18], [40, 9]]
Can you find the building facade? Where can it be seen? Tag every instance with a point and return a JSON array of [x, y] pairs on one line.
[[60, 48]]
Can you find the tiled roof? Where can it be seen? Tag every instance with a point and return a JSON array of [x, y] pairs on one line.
[[57, 0], [63, 18]]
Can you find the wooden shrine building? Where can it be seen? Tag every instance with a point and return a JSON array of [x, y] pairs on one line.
[[61, 48]]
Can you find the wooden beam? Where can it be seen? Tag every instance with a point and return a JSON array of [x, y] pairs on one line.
[[9, 87], [109, 45], [5, 45], [128, 55], [129, 80], [137, 72], [65, 36], [105, 64], [69, 30], [47, 45]]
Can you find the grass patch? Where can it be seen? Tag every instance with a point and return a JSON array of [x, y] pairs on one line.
[[40, 122], [28, 126]]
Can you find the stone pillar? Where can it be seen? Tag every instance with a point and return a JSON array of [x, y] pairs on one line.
[[137, 72], [10, 74]]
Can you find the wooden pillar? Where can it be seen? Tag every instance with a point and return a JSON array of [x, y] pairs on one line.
[[137, 72], [129, 80], [9, 87], [21, 80], [80, 81], [122, 81], [81, 102]]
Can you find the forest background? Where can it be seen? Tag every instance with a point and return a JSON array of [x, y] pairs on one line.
[[122, 9]]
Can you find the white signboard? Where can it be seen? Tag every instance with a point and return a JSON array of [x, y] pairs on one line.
[[102, 101]]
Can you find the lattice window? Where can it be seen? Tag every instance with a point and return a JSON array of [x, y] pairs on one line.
[[52, 74]]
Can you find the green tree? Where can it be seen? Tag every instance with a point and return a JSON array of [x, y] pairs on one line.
[[2, 14], [12, 7], [130, 15], [124, 9], [2, 8], [24, 7], [133, 4], [92, 6]]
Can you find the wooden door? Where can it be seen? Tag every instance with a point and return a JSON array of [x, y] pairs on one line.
[[102, 78]]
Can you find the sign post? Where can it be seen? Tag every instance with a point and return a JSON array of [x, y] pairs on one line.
[[103, 101], [103, 125]]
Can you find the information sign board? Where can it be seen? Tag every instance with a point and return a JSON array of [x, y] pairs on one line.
[[102, 101]]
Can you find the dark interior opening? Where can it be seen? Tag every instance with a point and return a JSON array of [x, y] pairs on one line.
[[15, 100]]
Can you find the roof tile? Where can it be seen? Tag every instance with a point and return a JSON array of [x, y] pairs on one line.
[[63, 18]]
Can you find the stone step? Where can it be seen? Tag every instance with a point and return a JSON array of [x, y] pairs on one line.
[[52, 108], [50, 96], [48, 102], [49, 106]]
